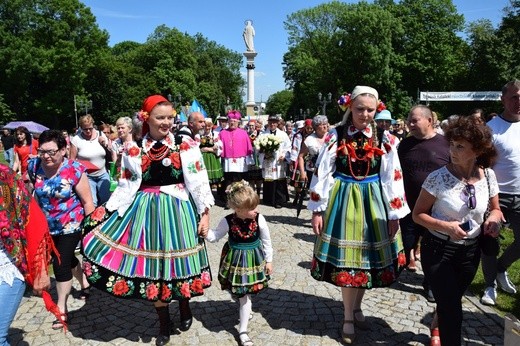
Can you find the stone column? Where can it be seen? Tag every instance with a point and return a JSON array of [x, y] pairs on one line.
[[250, 66]]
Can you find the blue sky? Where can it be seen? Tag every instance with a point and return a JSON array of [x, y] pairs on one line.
[[223, 22]]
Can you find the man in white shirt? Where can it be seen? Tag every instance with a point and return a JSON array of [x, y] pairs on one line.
[[506, 131], [275, 192]]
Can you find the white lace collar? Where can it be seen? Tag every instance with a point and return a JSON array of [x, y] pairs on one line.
[[149, 142], [367, 131]]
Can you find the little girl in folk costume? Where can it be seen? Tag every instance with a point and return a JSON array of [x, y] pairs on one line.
[[246, 260]]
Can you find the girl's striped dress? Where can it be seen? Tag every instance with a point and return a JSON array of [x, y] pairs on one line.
[[245, 254]]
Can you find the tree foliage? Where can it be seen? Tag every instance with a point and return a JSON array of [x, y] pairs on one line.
[[280, 103], [52, 50], [398, 47], [46, 50]]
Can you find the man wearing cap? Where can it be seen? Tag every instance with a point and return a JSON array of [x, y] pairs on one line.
[[222, 124], [274, 169]]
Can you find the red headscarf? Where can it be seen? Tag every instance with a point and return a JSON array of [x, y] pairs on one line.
[[148, 104], [308, 122]]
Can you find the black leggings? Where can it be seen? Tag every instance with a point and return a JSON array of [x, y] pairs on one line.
[[66, 245]]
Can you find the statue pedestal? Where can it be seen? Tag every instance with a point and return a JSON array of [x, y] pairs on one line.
[[250, 66]]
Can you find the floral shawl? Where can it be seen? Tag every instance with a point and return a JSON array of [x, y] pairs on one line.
[[24, 231]]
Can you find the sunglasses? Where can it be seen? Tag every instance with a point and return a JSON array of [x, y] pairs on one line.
[[472, 200]]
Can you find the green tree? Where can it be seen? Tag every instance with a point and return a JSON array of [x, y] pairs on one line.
[[6, 114], [509, 44], [432, 52], [280, 103], [335, 46], [46, 50]]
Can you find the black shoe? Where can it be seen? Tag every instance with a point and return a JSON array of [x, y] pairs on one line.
[[186, 316], [278, 206], [162, 340]]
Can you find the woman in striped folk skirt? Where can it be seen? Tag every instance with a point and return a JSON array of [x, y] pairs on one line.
[[147, 242], [357, 199]]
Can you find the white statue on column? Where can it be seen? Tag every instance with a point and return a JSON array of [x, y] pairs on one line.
[[248, 34]]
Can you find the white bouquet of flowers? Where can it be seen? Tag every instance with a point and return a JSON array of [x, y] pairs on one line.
[[267, 143]]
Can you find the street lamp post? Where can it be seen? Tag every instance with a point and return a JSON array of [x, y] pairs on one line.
[[80, 102], [324, 101]]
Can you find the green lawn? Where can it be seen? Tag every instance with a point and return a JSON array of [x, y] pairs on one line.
[[2, 160], [506, 303]]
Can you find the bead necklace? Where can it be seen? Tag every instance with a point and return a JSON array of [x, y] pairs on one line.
[[353, 156], [157, 154]]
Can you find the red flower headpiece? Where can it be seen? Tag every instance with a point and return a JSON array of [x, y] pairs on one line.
[[381, 106]]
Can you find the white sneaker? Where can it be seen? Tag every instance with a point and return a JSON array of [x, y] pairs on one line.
[[505, 284], [489, 297]]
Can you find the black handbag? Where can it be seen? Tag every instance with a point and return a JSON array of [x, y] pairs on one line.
[[488, 244]]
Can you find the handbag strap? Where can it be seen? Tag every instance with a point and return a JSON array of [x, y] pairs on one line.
[[489, 192]]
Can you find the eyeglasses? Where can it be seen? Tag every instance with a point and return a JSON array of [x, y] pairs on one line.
[[472, 200], [51, 152]]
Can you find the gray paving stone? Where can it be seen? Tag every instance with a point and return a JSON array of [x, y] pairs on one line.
[[295, 310]]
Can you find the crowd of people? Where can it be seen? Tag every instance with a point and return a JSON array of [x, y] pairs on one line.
[[137, 198]]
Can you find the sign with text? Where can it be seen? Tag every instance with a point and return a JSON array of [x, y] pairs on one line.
[[460, 96]]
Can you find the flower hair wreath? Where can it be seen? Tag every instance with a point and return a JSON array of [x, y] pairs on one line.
[[345, 101], [236, 186], [143, 116]]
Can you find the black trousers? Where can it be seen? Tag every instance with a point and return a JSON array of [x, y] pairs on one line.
[[275, 192], [449, 269]]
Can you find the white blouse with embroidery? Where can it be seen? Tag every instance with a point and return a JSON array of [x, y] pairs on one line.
[[390, 175], [452, 197], [196, 182]]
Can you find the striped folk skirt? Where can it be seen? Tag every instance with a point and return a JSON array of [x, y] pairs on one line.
[[152, 252], [242, 268], [354, 248]]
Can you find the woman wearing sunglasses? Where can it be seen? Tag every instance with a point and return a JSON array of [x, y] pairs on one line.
[[451, 205]]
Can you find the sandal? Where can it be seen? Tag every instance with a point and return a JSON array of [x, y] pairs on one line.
[[246, 341], [60, 323], [348, 338], [84, 293]]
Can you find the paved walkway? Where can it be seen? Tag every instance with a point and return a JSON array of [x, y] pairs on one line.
[[295, 310]]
